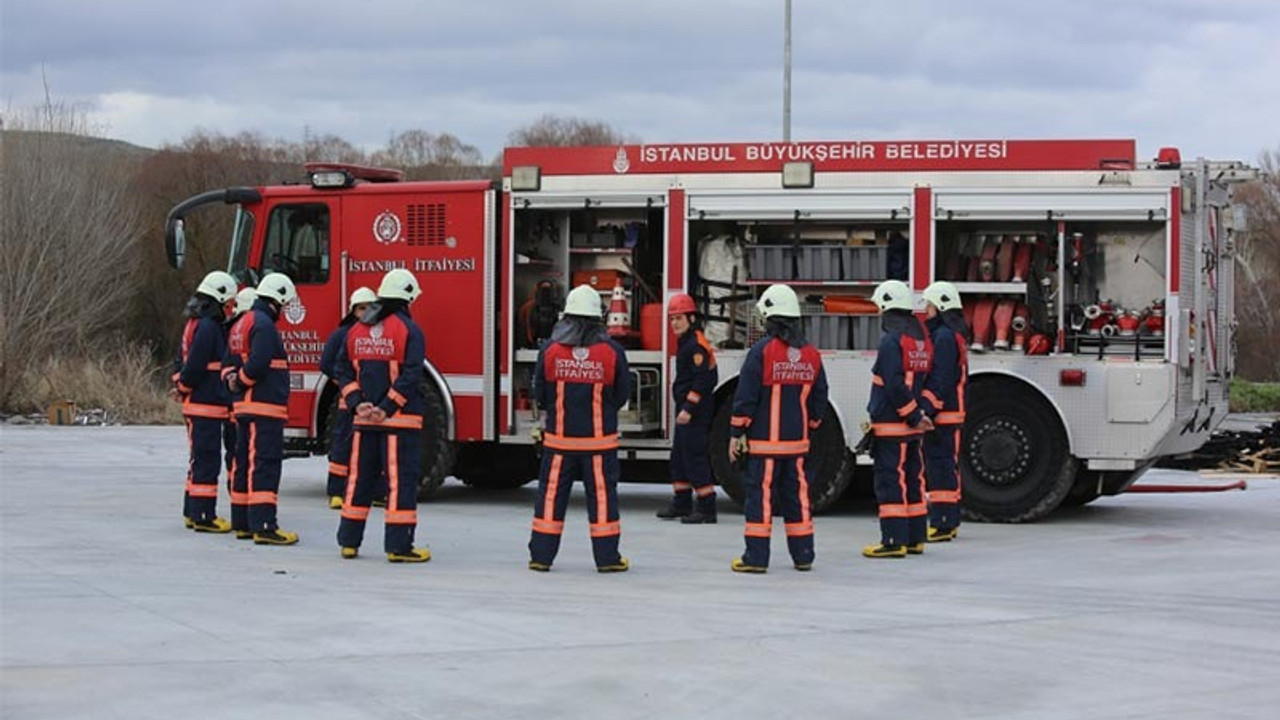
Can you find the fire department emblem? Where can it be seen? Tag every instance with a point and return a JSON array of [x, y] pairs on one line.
[[793, 355], [581, 353], [375, 332], [621, 163], [294, 311], [386, 227]]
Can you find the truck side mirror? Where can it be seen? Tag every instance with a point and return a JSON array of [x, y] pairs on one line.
[[175, 243]]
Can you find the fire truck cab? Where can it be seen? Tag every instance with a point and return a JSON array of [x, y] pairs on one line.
[[1098, 286]]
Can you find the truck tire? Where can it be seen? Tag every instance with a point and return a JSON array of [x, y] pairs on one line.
[[438, 451], [1014, 456], [1084, 490], [828, 466], [491, 466]]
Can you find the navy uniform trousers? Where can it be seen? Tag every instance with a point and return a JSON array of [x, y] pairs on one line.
[[204, 439], [259, 454], [376, 454], [599, 475], [900, 487], [777, 480], [691, 465], [941, 457], [339, 454]]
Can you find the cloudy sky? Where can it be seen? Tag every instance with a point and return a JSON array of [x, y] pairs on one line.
[[1200, 74]]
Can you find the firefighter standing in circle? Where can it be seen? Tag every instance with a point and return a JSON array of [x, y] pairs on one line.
[[256, 371], [781, 396], [205, 404], [695, 380], [581, 380], [380, 371], [944, 403], [897, 422], [243, 304], [340, 439]]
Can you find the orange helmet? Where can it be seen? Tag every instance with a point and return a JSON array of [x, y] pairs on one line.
[[681, 304]]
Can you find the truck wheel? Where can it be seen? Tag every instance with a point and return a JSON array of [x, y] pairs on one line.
[[1084, 490], [438, 452], [491, 466], [828, 466], [1014, 459]]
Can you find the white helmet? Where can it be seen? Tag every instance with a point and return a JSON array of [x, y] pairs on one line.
[[943, 295], [892, 295], [362, 296], [218, 285], [399, 284], [278, 288], [244, 300], [779, 301], [583, 301]]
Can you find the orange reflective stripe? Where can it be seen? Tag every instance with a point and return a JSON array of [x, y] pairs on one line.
[[877, 380], [944, 496], [681, 485], [351, 512], [893, 430], [258, 497], [350, 388], [799, 529], [184, 388], [805, 512], [779, 447], [933, 399], [740, 421], [606, 529], [693, 398], [814, 424], [401, 517], [553, 487], [399, 421], [262, 409], [548, 527], [597, 410], [893, 511], [245, 380], [907, 409], [239, 498], [764, 529], [602, 492], [354, 476], [279, 364], [595, 444], [338, 469], [217, 412], [706, 491], [559, 409], [225, 372], [949, 418], [214, 366], [392, 470], [396, 397], [917, 509], [395, 370], [775, 412], [202, 490]]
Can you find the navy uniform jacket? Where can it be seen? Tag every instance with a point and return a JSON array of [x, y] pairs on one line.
[[944, 390], [381, 363], [204, 344], [781, 396], [696, 374], [902, 363], [256, 353], [581, 388]]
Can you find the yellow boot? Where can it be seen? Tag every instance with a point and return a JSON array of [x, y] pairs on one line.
[[216, 525], [884, 551], [415, 555], [621, 566], [739, 566], [335, 502], [275, 537]]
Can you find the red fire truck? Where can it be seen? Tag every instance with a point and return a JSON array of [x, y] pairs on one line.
[[1098, 288]]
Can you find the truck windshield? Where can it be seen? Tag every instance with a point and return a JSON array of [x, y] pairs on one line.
[[241, 243]]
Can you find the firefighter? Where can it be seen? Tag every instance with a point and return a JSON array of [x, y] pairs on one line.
[[780, 399], [695, 380], [582, 380], [243, 304], [340, 439], [944, 403], [205, 403], [256, 371], [897, 422], [380, 372]]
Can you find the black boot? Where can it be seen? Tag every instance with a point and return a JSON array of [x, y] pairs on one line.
[[697, 517], [681, 506]]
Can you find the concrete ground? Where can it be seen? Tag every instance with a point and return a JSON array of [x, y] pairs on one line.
[[1143, 606]]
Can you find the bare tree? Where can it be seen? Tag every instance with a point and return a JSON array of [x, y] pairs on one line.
[[1257, 260], [427, 156], [557, 131], [68, 225]]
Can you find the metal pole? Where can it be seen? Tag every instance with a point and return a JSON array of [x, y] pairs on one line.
[[786, 80]]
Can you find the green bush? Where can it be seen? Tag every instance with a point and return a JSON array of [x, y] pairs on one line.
[[1254, 397]]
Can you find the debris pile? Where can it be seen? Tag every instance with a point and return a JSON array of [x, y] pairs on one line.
[[1250, 451]]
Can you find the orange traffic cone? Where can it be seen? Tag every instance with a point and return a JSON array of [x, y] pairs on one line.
[[619, 317]]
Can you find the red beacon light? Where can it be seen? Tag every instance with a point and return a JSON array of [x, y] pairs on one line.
[[1169, 158]]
